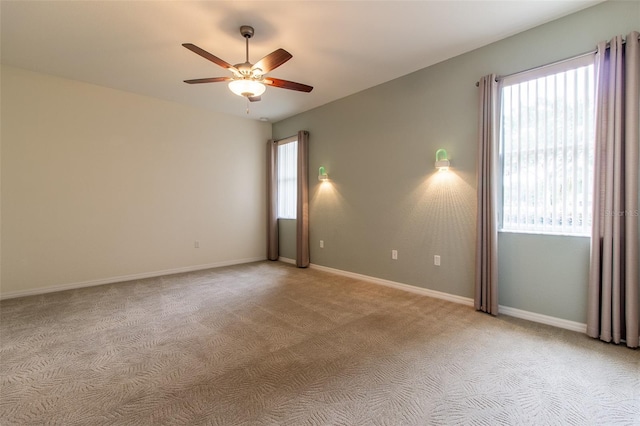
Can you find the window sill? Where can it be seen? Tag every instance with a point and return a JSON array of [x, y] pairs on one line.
[[551, 234]]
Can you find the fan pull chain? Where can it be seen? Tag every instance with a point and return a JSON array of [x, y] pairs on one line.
[[247, 106]]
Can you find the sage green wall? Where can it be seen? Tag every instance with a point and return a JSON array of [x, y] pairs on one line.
[[546, 274], [287, 238], [379, 145]]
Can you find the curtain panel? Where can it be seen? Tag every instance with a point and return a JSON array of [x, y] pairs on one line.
[[613, 307], [486, 276], [302, 216], [272, 201]]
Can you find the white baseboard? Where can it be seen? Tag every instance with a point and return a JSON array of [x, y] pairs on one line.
[[122, 278], [543, 319], [406, 287], [505, 310]]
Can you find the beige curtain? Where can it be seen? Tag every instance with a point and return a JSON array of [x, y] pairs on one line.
[[613, 311], [486, 281], [272, 201], [302, 216]]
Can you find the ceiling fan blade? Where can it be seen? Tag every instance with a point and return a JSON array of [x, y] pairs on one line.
[[195, 49], [272, 61], [285, 84], [208, 80], [254, 98]]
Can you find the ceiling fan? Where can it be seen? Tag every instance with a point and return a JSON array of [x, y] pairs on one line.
[[249, 80]]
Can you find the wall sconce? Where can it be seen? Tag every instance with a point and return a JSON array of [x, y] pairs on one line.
[[442, 162], [322, 174]]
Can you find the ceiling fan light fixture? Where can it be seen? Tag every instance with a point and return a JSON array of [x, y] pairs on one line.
[[247, 88], [248, 79]]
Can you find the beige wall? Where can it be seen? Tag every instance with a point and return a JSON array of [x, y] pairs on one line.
[[379, 145], [99, 184]]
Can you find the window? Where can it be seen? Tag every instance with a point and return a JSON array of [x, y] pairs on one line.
[[547, 149], [287, 178]]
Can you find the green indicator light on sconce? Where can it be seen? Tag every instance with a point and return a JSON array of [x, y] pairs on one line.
[[322, 174], [442, 161]]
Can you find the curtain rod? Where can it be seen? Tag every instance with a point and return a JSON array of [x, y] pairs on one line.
[[284, 139], [592, 52], [540, 67], [550, 64]]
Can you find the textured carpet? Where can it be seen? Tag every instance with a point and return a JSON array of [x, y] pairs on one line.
[[269, 344]]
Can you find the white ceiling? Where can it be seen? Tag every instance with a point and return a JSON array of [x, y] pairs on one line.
[[339, 47]]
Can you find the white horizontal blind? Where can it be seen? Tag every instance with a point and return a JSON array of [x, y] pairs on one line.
[[287, 180], [547, 149]]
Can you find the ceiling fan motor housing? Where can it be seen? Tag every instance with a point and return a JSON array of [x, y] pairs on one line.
[[246, 31]]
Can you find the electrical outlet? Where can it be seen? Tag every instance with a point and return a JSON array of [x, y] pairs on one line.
[[196, 244], [394, 254], [436, 260], [321, 243]]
